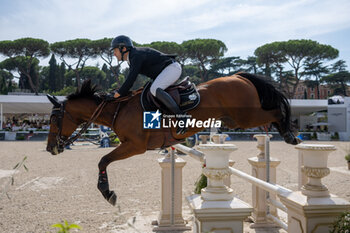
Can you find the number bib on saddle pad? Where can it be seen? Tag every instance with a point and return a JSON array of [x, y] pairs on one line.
[[185, 95]]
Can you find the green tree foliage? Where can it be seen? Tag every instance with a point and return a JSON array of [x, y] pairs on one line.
[[338, 66], [285, 80], [44, 77], [170, 48], [61, 73], [269, 55], [225, 66], [121, 77], [78, 51], [140, 81], [166, 47], [338, 81], [53, 74], [339, 78], [192, 72], [201, 60], [23, 53], [110, 77], [5, 82], [271, 59], [102, 49], [299, 53], [203, 52], [19, 65], [250, 65], [96, 75], [296, 53], [315, 69], [65, 91]]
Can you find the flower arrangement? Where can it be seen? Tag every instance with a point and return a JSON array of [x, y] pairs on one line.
[[200, 183], [114, 139], [342, 224], [347, 155]]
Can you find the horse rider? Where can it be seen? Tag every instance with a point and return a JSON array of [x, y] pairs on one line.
[[162, 68]]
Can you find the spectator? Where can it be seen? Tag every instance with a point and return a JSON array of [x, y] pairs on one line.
[[30, 135]]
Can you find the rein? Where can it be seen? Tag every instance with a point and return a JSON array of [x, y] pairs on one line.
[[59, 111], [93, 117]]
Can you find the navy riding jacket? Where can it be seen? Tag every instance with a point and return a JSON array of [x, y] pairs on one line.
[[146, 61]]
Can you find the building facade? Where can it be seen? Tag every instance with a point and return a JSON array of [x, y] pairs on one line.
[[305, 92]]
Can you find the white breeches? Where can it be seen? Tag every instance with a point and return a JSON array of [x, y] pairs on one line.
[[167, 77]]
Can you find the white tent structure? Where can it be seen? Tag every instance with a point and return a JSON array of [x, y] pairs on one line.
[[15, 104], [306, 106]]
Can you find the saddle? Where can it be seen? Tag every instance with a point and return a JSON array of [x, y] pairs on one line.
[[185, 95]]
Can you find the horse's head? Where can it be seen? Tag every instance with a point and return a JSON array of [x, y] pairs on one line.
[[62, 125]]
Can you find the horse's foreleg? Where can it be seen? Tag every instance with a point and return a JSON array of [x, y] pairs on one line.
[[125, 150]]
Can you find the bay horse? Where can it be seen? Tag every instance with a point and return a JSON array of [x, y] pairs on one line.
[[240, 101]]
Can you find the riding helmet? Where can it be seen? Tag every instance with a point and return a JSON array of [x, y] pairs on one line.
[[121, 41]]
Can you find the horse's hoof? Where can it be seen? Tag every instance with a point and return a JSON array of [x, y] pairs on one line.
[[299, 140], [295, 141], [112, 198]]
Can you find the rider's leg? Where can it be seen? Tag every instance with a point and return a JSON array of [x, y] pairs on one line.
[[166, 78], [168, 101]]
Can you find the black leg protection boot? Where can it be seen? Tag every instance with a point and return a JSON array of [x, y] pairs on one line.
[[170, 103]]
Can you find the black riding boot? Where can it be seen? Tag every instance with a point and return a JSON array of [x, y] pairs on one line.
[[170, 103]]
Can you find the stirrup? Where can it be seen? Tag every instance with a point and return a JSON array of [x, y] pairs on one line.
[[181, 130]]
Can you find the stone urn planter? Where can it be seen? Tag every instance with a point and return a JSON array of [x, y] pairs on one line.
[[314, 166]]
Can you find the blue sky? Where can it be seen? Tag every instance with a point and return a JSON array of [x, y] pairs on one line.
[[241, 25]]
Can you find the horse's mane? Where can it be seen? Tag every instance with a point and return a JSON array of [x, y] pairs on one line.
[[86, 91], [91, 91]]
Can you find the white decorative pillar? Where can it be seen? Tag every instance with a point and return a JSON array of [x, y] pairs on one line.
[[259, 196], [313, 209], [165, 222], [227, 180], [216, 209], [313, 167], [204, 139], [219, 138]]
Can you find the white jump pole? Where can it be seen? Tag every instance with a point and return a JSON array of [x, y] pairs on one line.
[[267, 159], [172, 208], [2, 117]]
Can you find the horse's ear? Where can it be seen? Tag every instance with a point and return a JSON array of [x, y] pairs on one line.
[[54, 100]]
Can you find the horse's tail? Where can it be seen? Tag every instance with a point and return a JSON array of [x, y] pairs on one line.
[[270, 98]]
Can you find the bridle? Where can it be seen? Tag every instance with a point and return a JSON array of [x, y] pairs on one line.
[[59, 111]]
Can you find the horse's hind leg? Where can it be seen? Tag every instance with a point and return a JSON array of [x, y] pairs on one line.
[[125, 150]]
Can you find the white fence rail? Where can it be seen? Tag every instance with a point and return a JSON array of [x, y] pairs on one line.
[[276, 189], [198, 155], [216, 209]]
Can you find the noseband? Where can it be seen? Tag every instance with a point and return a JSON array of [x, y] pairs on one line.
[[59, 112]]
